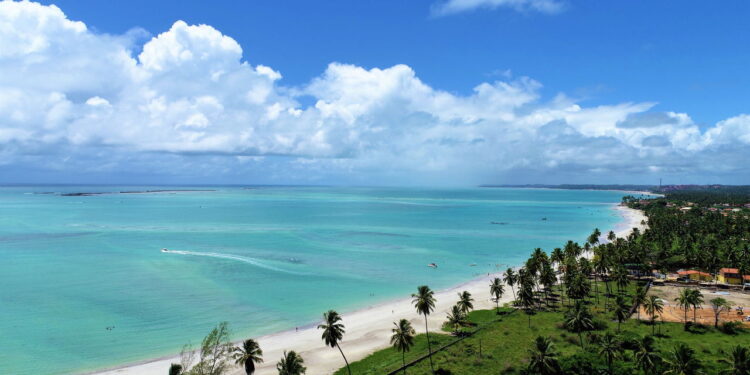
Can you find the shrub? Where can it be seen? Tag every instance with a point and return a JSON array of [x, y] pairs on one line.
[[731, 327]]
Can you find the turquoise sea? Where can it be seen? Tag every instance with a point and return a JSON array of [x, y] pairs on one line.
[[265, 259]]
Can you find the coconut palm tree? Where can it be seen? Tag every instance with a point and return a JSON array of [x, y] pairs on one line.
[[682, 361], [333, 332], [510, 278], [465, 302], [248, 355], [738, 362], [579, 319], [543, 359], [645, 355], [175, 369], [526, 298], [594, 237], [424, 302], [719, 305], [683, 300], [548, 279], [696, 300], [456, 318], [497, 289], [653, 305], [639, 298], [402, 339], [610, 349], [621, 278], [291, 364], [601, 268], [622, 311]]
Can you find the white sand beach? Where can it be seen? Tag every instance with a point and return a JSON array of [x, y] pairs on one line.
[[367, 330]]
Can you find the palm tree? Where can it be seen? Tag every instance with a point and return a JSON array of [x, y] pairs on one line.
[[653, 305], [639, 298], [683, 300], [465, 302], [594, 237], [548, 279], [682, 361], [510, 278], [526, 298], [248, 355], [291, 364], [622, 311], [497, 289], [333, 332], [601, 268], [424, 302], [456, 318], [543, 359], [579, 319], [696, 300], [621, 278], [719, 305], [610, 349], [402, 339], [646, 356], [175, 369], [739, 361]]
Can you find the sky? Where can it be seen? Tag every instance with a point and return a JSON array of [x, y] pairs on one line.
[[433, 92]]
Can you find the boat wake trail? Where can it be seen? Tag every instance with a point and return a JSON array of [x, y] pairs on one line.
[[238, 258]]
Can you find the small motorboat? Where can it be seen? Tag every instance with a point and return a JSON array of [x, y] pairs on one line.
[[433, 265], [164, 250]]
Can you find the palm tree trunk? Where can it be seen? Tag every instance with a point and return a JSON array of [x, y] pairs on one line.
[[580, 338], [345, 361], [694, 309], [686, 310], [596, 289], [403, 360], [429, 346]]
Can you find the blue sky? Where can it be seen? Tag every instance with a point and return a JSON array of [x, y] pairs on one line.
[[567, 82]]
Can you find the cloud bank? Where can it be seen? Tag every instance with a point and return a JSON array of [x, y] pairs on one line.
[[190, 105]]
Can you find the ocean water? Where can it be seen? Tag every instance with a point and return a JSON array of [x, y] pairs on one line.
[[265, 259]]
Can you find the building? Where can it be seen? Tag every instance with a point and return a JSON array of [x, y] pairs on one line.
[[731, 276], [694, 275]]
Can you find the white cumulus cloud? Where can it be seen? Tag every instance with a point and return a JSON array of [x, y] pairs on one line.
[[190, 104]]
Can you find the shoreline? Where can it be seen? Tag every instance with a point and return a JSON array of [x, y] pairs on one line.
[[367, 329]]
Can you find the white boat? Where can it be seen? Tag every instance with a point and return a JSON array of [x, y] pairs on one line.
[[433, 265], [164, 250]]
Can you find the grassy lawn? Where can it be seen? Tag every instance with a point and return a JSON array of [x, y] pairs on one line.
[[505, 341]]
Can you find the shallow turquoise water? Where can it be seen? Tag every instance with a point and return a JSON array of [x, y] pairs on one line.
[[264, 259]]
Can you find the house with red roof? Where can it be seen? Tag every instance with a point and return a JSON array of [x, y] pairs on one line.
[[731, 276], [694, 275]]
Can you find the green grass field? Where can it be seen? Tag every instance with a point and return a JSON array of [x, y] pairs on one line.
[[505, 341]]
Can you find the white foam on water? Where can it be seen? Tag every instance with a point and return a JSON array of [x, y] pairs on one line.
[[238, 258]]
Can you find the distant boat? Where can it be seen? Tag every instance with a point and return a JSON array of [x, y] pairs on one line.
[[433, 265], [544, 218], [164, 250], [473, 265]]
